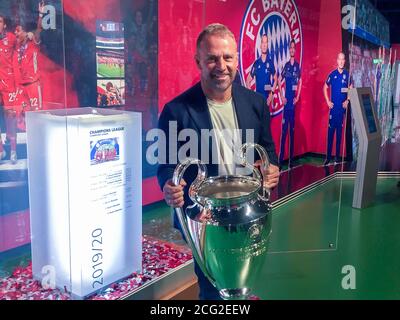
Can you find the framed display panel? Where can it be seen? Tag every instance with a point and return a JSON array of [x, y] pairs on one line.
[[397, 85]]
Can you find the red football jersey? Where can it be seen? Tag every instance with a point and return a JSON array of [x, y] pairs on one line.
[[7, 47], [27, 56]]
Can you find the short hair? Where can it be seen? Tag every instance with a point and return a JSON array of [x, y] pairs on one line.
[[292, 41], [214, 29]]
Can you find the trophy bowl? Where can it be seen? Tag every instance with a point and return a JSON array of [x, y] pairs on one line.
[[228, 227]]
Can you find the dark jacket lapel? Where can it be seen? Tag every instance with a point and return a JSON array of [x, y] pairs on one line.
[[198, 109]]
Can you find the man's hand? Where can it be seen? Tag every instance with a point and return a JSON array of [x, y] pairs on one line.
[[173, 195], [271, 175], [345, 104], [330, 104], [284, 100], [295, 100]]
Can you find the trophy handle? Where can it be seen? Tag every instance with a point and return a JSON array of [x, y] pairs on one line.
[[264, 164], [201, 176]]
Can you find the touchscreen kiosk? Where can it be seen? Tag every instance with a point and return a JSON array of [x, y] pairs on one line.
[[369, 135]]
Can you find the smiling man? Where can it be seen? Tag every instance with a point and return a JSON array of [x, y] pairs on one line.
[[215, 103]]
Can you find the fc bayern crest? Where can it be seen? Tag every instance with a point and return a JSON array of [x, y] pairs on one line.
[[279, 20]]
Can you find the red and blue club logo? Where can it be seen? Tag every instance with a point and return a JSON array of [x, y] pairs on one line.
[[279, 20]]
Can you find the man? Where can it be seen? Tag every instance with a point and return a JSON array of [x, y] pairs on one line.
[[264, 71], [291, 74], [339, 81], [28, 94], [7, 86], [27, 50], [214, 103]]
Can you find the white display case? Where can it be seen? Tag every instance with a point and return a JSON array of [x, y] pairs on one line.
[[85, 191]]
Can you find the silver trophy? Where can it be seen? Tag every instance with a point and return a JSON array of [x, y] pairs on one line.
[[229, 225]]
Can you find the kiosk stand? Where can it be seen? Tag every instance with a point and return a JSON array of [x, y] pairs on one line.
[[370, 137]]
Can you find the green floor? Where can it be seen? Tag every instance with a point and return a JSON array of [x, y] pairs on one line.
[[309, 221], [368, 240], [314, 237]]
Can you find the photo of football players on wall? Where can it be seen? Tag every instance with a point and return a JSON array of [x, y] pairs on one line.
[[20, 85], [110, 64], [111, 92], [110, 46]]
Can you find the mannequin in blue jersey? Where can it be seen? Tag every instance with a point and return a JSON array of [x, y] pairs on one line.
[[339, 83], [291, 77], [263, 70]]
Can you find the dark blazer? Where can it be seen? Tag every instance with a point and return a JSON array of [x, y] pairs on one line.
[[190, 110]]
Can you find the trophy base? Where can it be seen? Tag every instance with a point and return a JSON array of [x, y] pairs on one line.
[[235, 294]]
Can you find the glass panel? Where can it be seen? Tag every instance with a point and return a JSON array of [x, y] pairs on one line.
[[104, 66], [372, 141], [307, 200], [34, 241], [177, 72], [111, 62]]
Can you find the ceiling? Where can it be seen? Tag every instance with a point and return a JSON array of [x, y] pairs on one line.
[[391, 10]]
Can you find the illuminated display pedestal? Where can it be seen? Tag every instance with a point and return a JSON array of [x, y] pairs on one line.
[[85, 189]]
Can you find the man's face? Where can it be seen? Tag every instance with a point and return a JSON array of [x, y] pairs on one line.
[[341, 60], [20, 34], [2, 25], [292, 50], [217, 60], [110, 87], [264, 45]]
